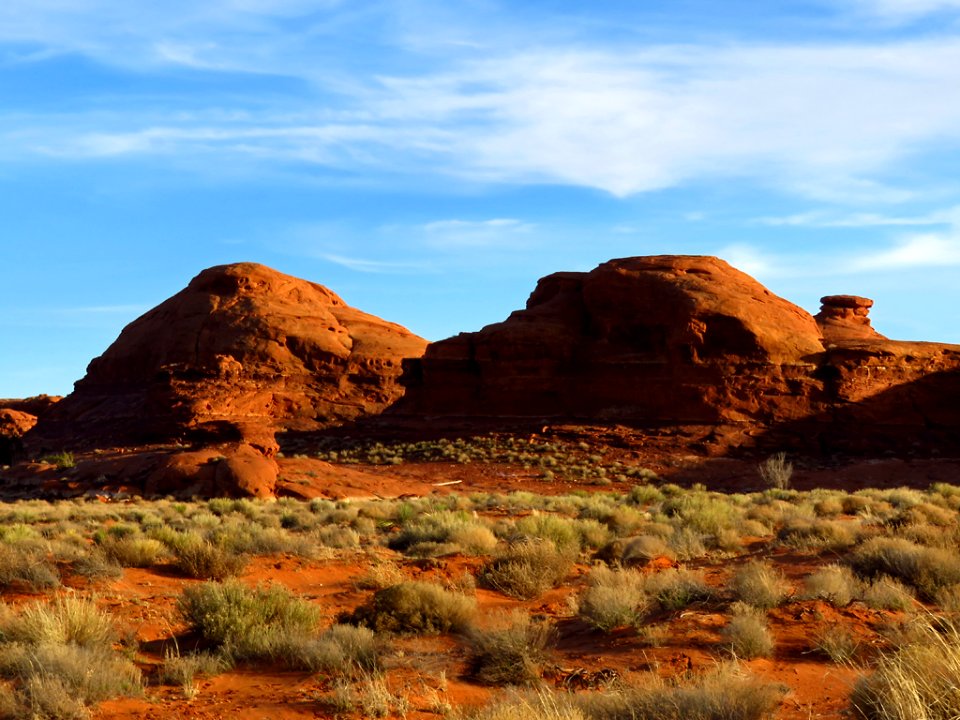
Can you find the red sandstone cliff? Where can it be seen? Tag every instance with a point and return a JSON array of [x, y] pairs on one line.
[[241, 352]]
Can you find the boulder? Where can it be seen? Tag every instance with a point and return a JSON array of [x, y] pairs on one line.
[[14, 424], [241, 352]]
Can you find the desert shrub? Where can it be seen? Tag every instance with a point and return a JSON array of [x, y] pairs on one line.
[[839, 644], [687, 544], [613, 598], [927, 569], [924, 513], [644, 548], [527, 568], [24, 566], [336, 536], [416, 607], [724, 694], [542, 705], [182, 670], [675, 589], [760, 584], [818, 534], [474, 539], [562, 532], [512, 654], [885, 593], [197, 557], [776, 471], [834, 583], [63, 620], [63, 460], [250, 624], [95, 565], [702, 511], [380, 575], [60, 657], [917, 680], [134, 551], [948, 599], [747, 635]]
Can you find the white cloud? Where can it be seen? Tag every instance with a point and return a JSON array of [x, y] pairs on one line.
[[832, 219], [920, 250], [475, 233], [365, 265], [822, 120], [903, 10]]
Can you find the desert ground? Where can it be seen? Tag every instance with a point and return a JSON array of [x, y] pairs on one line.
[[515, 577]]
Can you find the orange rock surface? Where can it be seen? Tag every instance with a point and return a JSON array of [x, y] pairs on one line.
[[242, 351], [675, 340]]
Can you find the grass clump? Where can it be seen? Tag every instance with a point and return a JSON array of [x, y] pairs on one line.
[[724, 694], [926, 569], [834, 583], [760, 584], [837, 643], [59, 660], [917, 680], [197, 557], [527, 568], [748, 635], [251, 624], [23, 566], [613, 598], [513, 654], [416, 607], [675, 589]]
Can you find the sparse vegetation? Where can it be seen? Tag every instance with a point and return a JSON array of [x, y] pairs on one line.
[[416, 607], [512, 653]]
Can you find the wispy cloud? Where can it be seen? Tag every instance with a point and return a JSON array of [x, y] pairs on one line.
[[365, 265], [799, 117], [904, 10], [475, 233], [913, 251], [833, 219]]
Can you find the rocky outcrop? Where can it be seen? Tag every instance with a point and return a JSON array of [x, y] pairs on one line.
[[658, 339], [679, 340], [14, 424], [844, 317], [241, 352]]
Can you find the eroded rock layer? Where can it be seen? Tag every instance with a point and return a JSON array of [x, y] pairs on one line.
[[690, 340], [241, 352]]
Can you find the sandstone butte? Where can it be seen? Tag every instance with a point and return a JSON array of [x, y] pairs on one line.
[[681, 340], [242, 352]]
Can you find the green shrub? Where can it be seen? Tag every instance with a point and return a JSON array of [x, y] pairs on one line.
[[416, 607], [513, 654], [250, 624], [885, 593]]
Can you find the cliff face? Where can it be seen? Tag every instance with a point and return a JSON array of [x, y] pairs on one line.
[[241, 352], [682, 340]]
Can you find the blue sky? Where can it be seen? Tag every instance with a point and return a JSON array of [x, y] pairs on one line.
[[428, 161]]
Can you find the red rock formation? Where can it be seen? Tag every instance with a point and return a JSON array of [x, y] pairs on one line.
[[690, 340], [844, 317], [242, 351], [661, 339]]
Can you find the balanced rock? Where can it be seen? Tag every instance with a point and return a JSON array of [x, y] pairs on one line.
[[242, 351], [845, 317]]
